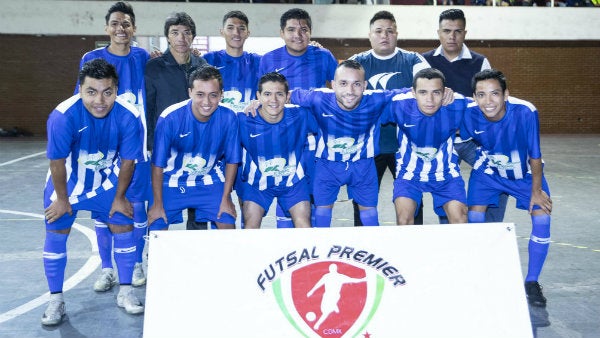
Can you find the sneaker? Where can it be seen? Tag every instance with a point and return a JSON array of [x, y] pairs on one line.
[[138, 278], [128, 301], [106, 281], [535, 297], [54, 314]]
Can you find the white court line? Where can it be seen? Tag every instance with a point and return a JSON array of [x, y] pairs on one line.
[[88, 268], [22, 158]]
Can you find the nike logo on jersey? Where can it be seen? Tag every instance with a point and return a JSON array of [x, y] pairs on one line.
[[326, 115], [254, 135], [184, 135], [408, 125], [82, 129], [477, 132], [277, 70]]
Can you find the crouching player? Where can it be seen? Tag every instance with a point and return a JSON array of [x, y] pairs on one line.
[[192, 142], [86, 135], [273, 163], [509, 160], [426, 160]]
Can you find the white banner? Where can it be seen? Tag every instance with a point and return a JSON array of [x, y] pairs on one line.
[[414, 281]]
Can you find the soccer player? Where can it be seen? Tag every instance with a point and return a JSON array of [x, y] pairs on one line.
[[459, 64], [273, 163], [348, 126], [87, 133], [387, 67], [238, 68], [304, 66], [130, 62], [194, 139], [509, 160], [167, 79], [426, 160]]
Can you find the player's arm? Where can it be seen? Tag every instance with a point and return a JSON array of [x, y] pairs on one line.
[[157, 210], [226, 202], [61, 205], [120, 203], [538, 196]]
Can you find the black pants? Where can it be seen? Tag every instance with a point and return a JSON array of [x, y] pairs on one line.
[[191, 221]]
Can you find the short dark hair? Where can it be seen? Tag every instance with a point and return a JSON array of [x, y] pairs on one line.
[[453, 14], [98, 69], [489, 74], [205, 73], [351, 64], [382, 15], [180, 18], [295, 13], [429, 74], [273, 77], [123, 7], [236, 14]]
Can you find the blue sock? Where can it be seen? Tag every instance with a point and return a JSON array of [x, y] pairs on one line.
[[104, 237], [539, 242], [125, 255], [282, 220], [369, 217], [476, 217], [323, 217], [140, 227], [55, 260]]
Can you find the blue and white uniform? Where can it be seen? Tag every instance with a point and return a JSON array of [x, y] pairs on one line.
[[240, 77], [193, 155], [426, 160], [273, 160]]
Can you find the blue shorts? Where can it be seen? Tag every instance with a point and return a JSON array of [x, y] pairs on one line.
[[485, 189], [360, 176], [140, 188], [206, 199], [287, 197], [98, 205], [452, 189]]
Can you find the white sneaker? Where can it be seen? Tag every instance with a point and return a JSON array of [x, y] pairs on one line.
[[54, 314], [128, 301], [106, 280], [138, 278]]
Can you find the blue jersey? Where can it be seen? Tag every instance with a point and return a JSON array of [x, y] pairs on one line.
[[240, 77], [273, 152], [310, 70], [189, 151], [506, 145], [425, 143], [92, 146], [344, 135]]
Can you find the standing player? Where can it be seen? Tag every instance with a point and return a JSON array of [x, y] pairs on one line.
[[238, 68], [426, 160], [273, 163], [509, 160], [387, 67], [130, 62], [459, 64], [167, 78], [348, 128], [304, 66], [192, 138], [86, 135]]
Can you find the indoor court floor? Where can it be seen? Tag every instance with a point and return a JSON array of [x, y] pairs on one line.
[[571, 275]]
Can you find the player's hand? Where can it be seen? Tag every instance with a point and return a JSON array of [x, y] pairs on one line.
[[122, 205], [155, 53], [316, 44], [155, 212], [541, 199], [252, 108], [196, 52], [227, 207], [448, 96], [57, 209]]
